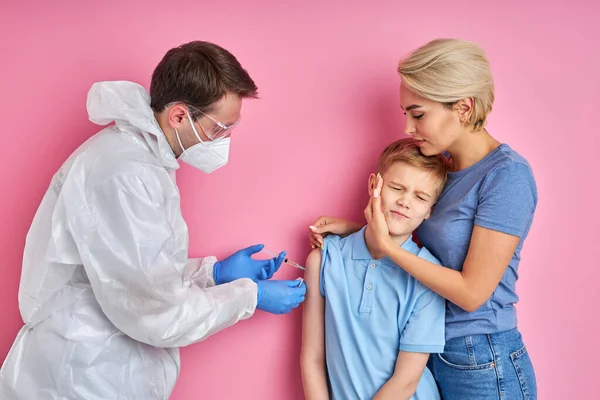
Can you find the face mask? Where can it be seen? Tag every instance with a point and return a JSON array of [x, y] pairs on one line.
[[205, 156]]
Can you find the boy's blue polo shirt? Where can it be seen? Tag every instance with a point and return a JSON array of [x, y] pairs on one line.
[[374, 309]]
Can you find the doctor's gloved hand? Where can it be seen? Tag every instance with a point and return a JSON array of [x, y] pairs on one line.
[[241, 265], [279, 297]]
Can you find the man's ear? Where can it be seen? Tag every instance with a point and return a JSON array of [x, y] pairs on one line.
[[177, 115]]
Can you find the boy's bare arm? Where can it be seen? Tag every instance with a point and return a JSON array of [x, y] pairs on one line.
[[312, 357], [403, 384]]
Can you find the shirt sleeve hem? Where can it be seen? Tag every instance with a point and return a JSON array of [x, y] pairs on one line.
[[500, 228], [416, 348]]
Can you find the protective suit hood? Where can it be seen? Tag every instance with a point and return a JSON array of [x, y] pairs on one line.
[[127, 104]]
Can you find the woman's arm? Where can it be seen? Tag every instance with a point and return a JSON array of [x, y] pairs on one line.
[[488, 257], [325, 225], [312, 357]]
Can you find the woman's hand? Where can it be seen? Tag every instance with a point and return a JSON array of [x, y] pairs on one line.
[[326, 225], [376, 219]]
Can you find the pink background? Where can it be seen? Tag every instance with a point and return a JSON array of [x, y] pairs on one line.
[[329, 103]]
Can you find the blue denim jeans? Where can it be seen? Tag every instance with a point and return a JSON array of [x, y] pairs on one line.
[[485, 367]]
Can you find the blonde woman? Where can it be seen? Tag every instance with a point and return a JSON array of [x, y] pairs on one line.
[[478, 226]]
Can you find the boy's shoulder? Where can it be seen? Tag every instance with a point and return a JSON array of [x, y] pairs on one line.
[[339, 242], [332, 245], [425, 254], [421, 252]]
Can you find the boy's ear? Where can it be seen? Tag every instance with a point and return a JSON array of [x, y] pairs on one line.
[[429, 212], [372, 183]]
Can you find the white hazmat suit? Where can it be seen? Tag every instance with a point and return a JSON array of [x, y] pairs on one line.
[[107, 291]]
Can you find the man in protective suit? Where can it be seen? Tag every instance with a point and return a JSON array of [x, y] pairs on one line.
[[108, 293]]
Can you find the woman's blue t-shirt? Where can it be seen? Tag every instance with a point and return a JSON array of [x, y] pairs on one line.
[[499, 193]]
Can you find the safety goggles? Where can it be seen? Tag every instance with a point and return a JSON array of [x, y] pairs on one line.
[[219, 129]]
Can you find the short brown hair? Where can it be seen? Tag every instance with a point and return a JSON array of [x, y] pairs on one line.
[[198, 74], [407, 151]]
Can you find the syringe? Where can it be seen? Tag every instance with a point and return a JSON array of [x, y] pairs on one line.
[[286, 260]]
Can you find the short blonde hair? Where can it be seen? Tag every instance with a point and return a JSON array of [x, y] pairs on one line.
[[448, 70], [407, 151]]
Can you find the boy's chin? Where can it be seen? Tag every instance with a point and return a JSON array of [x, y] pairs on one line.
[[397, 231]]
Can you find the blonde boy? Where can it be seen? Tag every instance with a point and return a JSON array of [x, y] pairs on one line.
[[368, 326]]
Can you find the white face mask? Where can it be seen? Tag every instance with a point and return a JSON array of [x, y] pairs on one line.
[[205, 156]]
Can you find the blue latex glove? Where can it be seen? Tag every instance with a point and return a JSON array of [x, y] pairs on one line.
[[241, 265], [279, 297]]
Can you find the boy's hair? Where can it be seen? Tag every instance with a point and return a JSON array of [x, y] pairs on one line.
[[407, 151], [198, 74]]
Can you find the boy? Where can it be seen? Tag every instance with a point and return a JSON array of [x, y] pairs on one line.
[[368, 326]]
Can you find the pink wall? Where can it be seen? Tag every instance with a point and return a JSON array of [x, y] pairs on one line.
[[329, 104]]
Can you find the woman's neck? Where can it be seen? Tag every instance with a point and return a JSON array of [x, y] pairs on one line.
[[471, 148]]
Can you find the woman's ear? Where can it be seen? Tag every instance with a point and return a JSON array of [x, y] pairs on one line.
[[465, 109]]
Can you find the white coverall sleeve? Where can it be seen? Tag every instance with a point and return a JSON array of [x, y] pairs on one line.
[[138, 269], [202, 271]]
